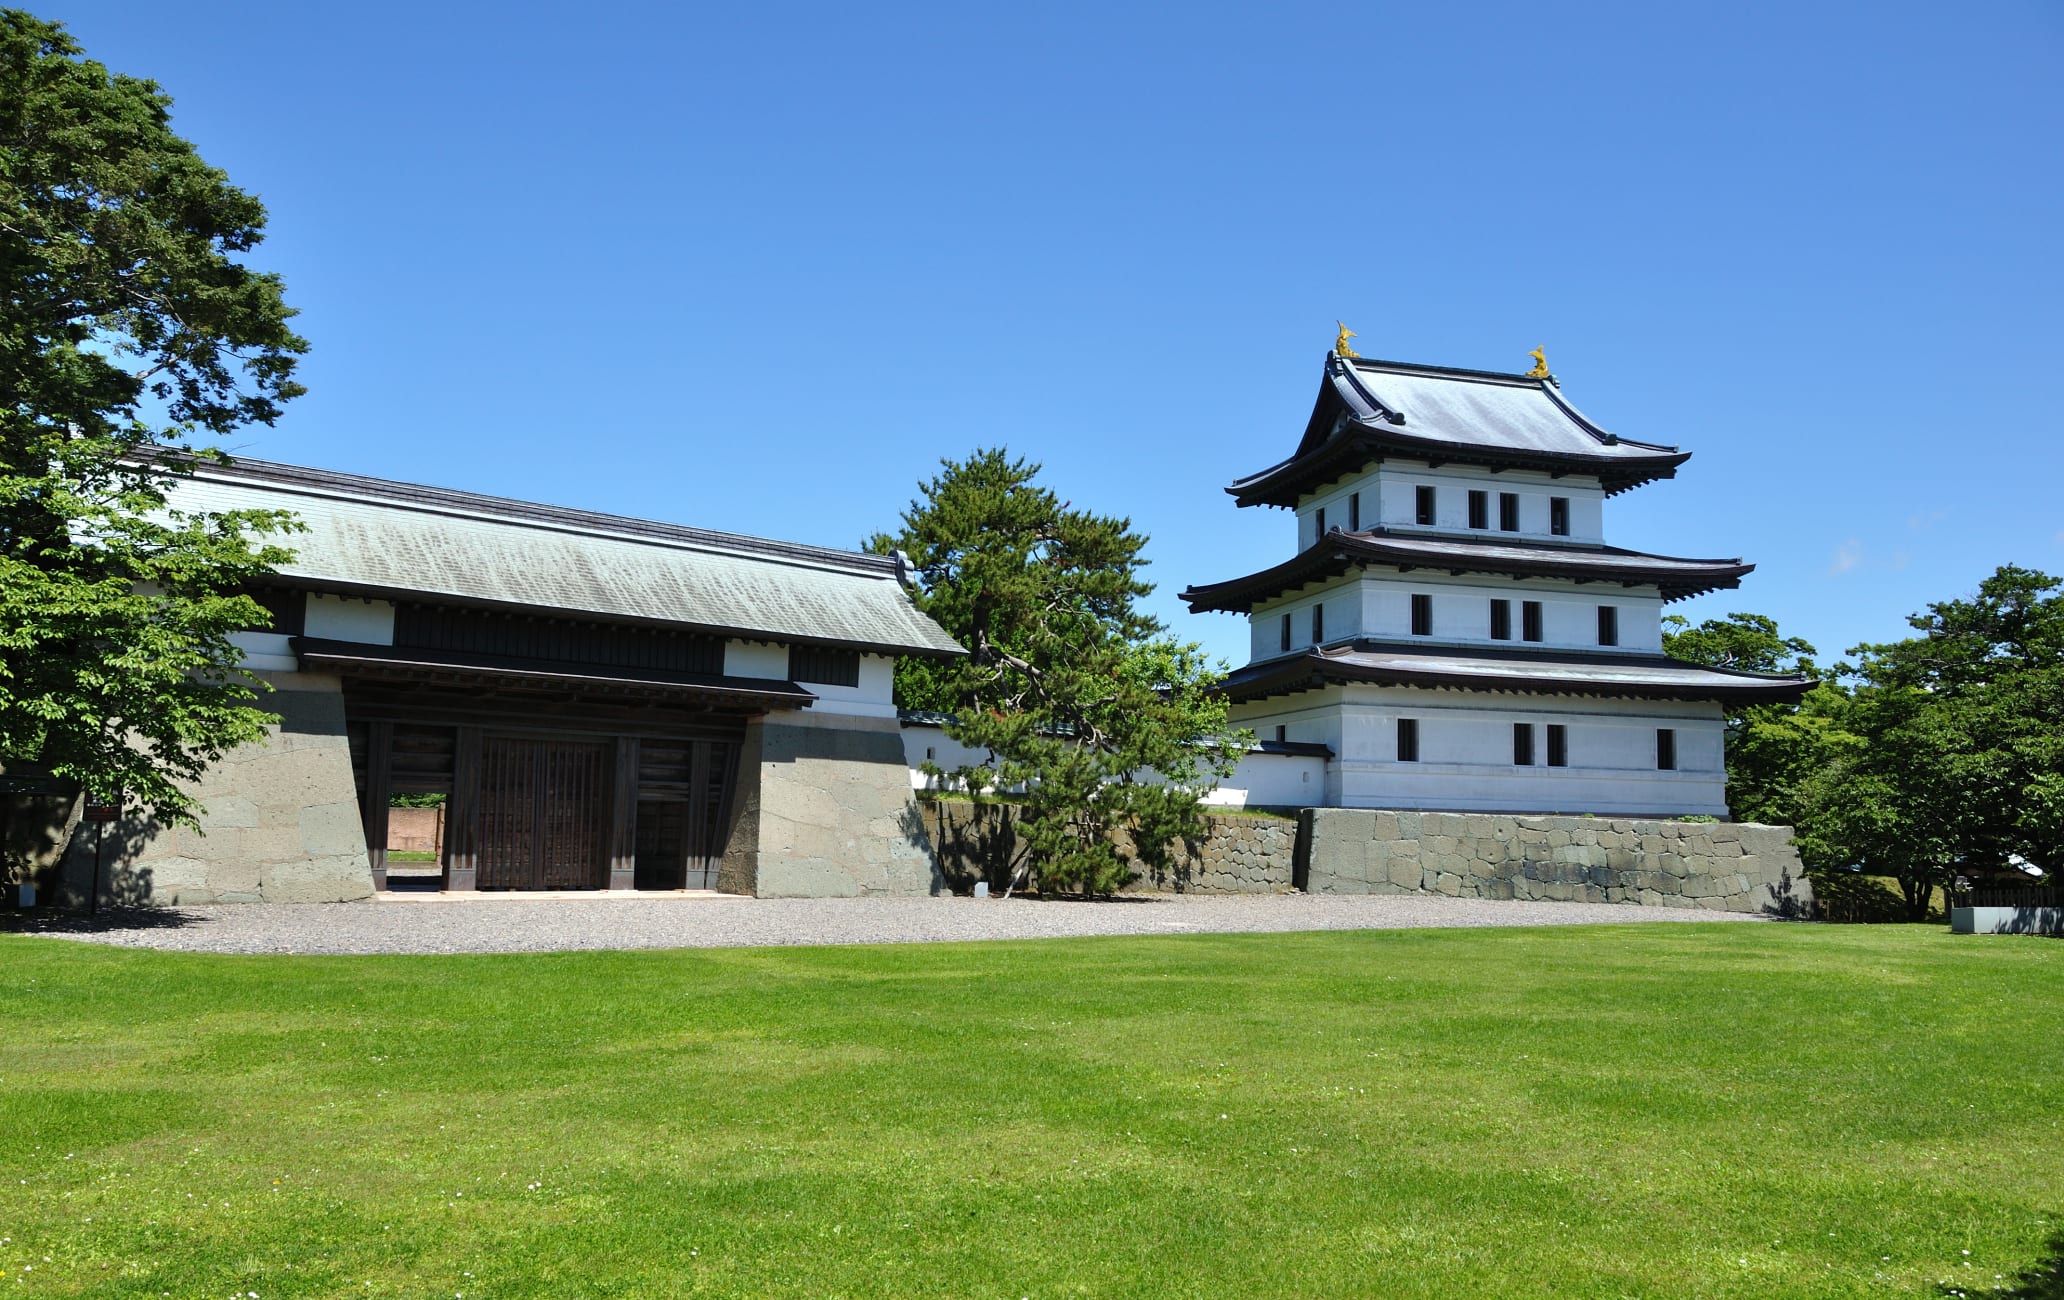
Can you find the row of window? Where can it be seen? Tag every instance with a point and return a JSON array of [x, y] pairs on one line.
[[1428, 504], [1523, 744], [1501, 621], [1427, 512]]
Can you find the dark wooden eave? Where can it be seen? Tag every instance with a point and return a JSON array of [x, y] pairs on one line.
[[1544, 672], [1358, 445], [1339, 551], [510, 675]]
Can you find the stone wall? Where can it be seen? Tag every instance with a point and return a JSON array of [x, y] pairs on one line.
[[281, 823], [824, 809], [1724, 866], [1239, 854]]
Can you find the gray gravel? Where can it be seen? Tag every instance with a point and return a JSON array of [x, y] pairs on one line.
[[559, 924]]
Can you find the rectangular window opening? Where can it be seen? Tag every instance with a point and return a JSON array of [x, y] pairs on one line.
[[1422, 616], [1608, 625], [1425, 505], [1354, 512], [1408, 740], [1318, 623], [1479, 509], [1558, 516], [1320, 521], [823, 665], [1286, 632], [1530, 620], [1558, 745], [1501, 620], [1523, 744], [1665, 749], [1282, 733], [1508, 512]]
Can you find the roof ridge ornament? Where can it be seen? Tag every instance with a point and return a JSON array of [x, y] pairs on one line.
[[1540, 370], [1340, 348]]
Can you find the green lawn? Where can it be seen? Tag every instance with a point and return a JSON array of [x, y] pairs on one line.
[[1724, 1110]]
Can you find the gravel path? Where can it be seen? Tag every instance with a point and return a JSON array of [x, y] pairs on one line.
[[558, 924]]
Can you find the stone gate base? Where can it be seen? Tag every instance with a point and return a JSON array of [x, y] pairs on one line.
[[1725, 866]]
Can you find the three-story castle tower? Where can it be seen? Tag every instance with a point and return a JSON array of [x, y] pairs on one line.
[[1454, 626]]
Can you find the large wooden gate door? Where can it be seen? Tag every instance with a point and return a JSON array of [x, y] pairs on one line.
[[544, 814]]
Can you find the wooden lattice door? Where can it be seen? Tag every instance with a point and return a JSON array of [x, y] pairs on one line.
[[544, 814]]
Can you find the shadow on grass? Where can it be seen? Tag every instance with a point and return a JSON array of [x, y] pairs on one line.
[[2044, 1280]]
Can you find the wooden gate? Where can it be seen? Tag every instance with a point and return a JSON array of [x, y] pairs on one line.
[[544, 814]]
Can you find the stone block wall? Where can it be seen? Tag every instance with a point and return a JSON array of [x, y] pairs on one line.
[[281, 824], [824, 809], [1723, 866], [1239, 854]]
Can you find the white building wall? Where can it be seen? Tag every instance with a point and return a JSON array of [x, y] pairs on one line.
[[874, 697], [1389, 497], [349, 618], [1466, 750], [1260, 781], [1378, 604]]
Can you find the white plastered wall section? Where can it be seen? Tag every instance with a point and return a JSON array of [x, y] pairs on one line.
[[1466, 750], [1389, 497], [1260, 781], [873, 697], [1377, 603]]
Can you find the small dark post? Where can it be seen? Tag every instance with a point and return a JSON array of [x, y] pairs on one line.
[[623, 835]]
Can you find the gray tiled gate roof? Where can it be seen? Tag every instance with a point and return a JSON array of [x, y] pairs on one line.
[[375, 537]]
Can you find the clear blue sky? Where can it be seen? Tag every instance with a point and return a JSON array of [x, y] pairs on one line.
[[758, 267]]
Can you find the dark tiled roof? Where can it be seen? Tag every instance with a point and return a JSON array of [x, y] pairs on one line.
[[1370, 409], [1338, 552], [1540, 673]]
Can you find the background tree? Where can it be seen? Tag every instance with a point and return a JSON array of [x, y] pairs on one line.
[[1071, 687], [1771, 748], [131, 331], [1958, 761]]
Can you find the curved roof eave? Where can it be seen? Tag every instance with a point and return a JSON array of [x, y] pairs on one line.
[[1677, 578]]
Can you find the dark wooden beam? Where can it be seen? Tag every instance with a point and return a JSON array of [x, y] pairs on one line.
[[379, 791], [623, 821], [462, 823]]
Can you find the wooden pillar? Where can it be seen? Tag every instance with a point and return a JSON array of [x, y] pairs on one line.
[[462, 825], [623, 822], [379, 792]]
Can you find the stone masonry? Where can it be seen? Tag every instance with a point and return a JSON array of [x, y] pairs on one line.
[[825, 811], [1239, 854], [281, 823], [1725, 866]]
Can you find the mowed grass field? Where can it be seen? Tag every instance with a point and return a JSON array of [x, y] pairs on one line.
[[1656, 1110]]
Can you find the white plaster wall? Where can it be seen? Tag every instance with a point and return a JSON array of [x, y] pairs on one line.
[[1378, 604], [762, 659], [1465, 750], [1272, 781], [1389, 494], [348, 618], [874, 697], [266, 652]]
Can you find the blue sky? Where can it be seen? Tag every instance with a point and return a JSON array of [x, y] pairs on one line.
[[759, 267]]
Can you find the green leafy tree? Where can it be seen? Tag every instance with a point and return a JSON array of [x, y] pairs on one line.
[[1771, 748], [1082, 698], [1956, 759], [131, 332]]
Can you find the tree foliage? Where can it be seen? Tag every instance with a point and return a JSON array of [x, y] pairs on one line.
[[1073, 689], [1953, 762], [1931, 757], [131, 333], [1771, 748]]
